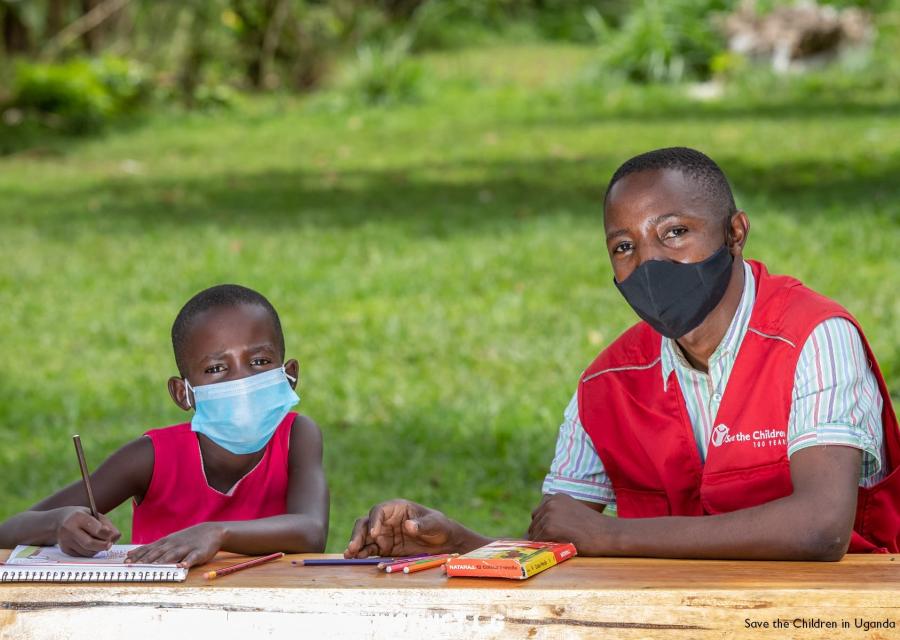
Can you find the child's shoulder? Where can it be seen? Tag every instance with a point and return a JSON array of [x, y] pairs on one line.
[[131, 465], [305, 436], [173, 433], [304, 426]]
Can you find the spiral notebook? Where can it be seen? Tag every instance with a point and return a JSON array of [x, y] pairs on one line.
[[50, 564]]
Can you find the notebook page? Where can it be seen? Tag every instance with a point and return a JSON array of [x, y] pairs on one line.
[[50, 564], [24, 554]]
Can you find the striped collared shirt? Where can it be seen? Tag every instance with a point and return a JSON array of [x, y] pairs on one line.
[[835, 401]]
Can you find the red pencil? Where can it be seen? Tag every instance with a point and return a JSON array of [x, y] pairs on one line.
[[389, 561], [401, 566], [209, 575]]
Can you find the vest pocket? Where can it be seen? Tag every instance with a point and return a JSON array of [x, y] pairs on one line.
[[726, 491], [640, 503]]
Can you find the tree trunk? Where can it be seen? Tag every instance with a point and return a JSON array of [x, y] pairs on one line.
[[251, 38], [90, 39], [16, 37], [55, 18], [197, 54], [84, 26], [399, 10], [263, 24], [271, 39]]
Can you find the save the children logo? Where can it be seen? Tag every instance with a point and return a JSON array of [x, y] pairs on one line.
[[759, 438], [718, 435]]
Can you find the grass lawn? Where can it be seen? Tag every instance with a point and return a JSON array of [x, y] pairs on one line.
[[439, 266]]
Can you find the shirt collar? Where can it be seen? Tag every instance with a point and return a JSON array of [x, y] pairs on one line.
[[670, 352]]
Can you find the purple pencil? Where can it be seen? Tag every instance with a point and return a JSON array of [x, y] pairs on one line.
[[320, 562], [380, 561]]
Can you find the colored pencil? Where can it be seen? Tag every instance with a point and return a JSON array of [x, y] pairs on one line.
[[321, 562], [400, 566], [240, 566], [427, 564], [389, 561], [85, 475]]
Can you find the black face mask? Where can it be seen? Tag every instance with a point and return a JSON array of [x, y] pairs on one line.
[[674, 297]]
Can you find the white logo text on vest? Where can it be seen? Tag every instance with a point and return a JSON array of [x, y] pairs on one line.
[[759, 438]]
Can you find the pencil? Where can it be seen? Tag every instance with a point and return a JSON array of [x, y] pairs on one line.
[[209, 575], [400, 566], [319, 562], [427, 564], [85, 475], [390, 561]]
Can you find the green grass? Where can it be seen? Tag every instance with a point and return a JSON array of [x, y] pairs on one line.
[[439, 266]]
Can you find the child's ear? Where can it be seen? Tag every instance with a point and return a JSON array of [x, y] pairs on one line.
[[292, 368], [178, 391]]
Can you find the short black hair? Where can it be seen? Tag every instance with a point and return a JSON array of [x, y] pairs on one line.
[[696, 165], [221, 295]]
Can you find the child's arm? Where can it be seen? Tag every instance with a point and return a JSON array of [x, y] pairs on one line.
[[303, 528], [64, 517]]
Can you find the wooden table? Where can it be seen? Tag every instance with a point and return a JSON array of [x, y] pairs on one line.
[[583, 598]]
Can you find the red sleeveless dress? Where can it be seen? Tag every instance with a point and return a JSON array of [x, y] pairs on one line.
[[179, 495]]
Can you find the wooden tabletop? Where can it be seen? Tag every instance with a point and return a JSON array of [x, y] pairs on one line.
[[620, 597]]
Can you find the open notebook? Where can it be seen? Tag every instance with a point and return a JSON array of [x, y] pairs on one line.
[[49, 564]]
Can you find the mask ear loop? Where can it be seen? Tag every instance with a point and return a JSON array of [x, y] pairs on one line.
[[289, 376], [187, 392]]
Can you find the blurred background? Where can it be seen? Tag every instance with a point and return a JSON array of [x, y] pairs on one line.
[[416, 185]]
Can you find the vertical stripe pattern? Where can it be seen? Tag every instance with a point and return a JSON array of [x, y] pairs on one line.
[[835, 402]]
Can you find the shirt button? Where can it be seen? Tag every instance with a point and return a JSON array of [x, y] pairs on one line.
[[717, 397]]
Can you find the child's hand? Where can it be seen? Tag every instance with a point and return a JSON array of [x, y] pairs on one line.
[[194, 545], [402, 528], [78, 533]]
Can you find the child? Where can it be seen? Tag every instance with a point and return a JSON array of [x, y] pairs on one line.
[[244, 475]]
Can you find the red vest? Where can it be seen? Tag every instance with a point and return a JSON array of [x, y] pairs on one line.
[[179, 496], [642, 431]]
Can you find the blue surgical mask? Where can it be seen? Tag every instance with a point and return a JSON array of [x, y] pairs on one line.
[[241, 415]]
